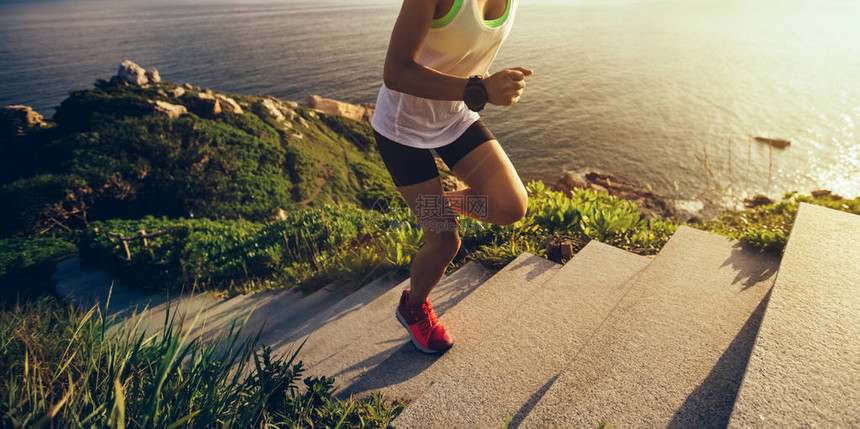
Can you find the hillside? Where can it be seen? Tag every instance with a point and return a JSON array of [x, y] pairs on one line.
[[129, 148]]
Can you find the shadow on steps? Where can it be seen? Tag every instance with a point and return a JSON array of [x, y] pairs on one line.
[[750, 271], [711, 404], [521, 414], [403, 364]]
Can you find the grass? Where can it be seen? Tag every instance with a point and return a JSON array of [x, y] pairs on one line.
[[768, 227], [60, 369], [318, 245]]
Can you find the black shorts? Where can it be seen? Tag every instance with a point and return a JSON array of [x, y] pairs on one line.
[[408, 165]]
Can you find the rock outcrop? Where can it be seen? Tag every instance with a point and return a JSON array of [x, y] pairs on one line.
[[228, 104], [170, 110], [213, 104], [132, 73], [220, 102], [652, 205], [757, 201], [328, 106], [17, 119], [821, 193], [153, 75], [273, 110], [279, 110]]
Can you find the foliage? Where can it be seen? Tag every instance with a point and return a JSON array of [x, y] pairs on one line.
[[767, 227], [112, 156], [358, 133], [582, 215], [60, 369], [20, 254], [315, 246], [27, 265], [308, 248]]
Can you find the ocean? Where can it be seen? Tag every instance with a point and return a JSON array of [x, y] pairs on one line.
[[666, 93]]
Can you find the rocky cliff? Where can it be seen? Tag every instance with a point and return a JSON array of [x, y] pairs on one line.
[[358, 112]]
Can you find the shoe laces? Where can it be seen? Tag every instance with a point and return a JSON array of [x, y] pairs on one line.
[[430, 320]]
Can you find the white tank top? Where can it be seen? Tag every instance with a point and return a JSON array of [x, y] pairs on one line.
[[461, 43]]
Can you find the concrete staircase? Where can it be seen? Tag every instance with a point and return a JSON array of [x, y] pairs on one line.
[[708, 333]]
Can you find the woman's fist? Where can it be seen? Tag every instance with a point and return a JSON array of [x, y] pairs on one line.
[[505, 87]]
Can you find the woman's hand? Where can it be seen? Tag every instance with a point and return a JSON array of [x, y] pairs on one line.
[[504, 88]]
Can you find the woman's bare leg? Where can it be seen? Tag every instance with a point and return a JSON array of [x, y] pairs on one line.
[[441, 236], [492, 179]]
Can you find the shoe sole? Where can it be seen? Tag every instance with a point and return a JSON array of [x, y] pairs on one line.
[[412, 337]]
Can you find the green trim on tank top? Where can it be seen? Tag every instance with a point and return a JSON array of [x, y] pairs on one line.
[[493, 23], [455, 8], [445, 20]]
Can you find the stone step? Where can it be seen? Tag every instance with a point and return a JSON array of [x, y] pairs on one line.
[[87, 286], [502, 374], [282, 336], [213, 314], [281, 310], [407, 372], [284, 308], [356, 342], [673, 351], [805, 367]]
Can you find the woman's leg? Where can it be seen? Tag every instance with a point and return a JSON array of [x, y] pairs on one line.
[[441, 237], [493, 180]]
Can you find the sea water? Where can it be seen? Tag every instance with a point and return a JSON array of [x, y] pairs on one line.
[[666, 93]]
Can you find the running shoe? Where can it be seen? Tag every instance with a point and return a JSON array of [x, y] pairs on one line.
[[427, 334]]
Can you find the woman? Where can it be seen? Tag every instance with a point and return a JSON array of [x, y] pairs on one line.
[[435, 82]]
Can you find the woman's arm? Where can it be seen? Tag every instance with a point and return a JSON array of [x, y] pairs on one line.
[[402, 72]]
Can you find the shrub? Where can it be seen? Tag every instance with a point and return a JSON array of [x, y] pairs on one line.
[[22, 254], [306, 249]]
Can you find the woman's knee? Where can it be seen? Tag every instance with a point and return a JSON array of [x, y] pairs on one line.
[[443, 243], [511, 208]]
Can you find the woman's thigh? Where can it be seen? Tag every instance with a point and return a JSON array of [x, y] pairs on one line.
[[488, 171]]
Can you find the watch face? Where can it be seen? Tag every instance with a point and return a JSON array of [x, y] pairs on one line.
[[474, 96]]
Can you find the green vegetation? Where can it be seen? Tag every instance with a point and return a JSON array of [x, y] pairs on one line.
[[59, 369], [32, 253], [109, 155], [582, 216], [317, 245], [310, 248], [767, 227], [26, 265]]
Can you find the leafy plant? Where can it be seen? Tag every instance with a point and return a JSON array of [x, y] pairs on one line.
[[768, 227]]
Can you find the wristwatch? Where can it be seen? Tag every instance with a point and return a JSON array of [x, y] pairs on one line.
[[475, 94]]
